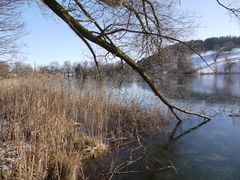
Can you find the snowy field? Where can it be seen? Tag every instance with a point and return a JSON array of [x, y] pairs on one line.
[[221, 62]]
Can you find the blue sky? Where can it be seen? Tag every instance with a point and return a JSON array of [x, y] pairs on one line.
[[49, 39], [213, 20]]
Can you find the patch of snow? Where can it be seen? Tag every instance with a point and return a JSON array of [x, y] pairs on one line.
[[220, 65]]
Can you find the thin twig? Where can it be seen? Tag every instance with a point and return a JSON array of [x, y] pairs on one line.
[[173, 166], [141, 171]]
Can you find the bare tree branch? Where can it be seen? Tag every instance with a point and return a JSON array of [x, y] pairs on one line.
[[166, 37], [93, 53], [234, 11]]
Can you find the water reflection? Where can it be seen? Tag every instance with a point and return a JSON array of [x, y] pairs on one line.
[[174, 137], [211, 88], [217, 85], [198, 149]]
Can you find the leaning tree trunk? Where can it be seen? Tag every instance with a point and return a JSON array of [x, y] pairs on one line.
[[81, 31]]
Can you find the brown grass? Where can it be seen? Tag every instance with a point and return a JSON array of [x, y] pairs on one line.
[[52, 130]]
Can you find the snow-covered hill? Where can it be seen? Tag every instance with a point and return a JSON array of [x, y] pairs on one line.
[[221, 62]]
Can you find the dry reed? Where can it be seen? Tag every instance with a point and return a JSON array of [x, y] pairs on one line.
[[51, 129]]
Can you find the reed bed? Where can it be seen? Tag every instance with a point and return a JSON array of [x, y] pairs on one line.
[[49, 130]]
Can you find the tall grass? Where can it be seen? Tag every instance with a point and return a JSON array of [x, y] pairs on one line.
[[55, 129]]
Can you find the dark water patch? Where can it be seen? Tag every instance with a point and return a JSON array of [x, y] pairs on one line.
[[198, 150]]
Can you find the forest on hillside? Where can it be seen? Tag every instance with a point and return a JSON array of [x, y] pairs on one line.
[[175, 58], [225, 43]]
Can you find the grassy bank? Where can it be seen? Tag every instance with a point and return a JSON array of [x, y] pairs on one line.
[[49, 130]]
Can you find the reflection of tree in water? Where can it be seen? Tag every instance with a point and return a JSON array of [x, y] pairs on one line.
[[160, 151], [173, 86], [220, 88], [228, 84], [174, 136]]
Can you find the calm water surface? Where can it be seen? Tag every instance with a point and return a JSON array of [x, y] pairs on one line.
[[210, 151]]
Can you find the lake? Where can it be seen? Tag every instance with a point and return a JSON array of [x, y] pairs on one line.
[[210, 150]]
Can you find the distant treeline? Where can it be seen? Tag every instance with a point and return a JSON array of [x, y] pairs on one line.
[[176, 58], [216, 43]]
